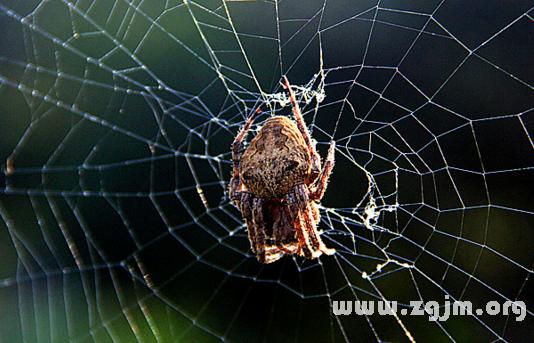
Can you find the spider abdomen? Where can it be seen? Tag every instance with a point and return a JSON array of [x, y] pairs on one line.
[[276, 160]]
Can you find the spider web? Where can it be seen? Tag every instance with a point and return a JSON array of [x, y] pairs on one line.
[[117, 119]]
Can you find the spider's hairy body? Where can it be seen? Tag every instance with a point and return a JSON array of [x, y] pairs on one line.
[[276, 184], [276, 160]]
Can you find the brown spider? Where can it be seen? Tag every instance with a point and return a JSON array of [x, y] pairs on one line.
[[276, 184]]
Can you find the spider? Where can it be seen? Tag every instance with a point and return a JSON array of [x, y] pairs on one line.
[[276, 184]]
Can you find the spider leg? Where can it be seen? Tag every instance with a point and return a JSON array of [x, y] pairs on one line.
[[301, 125], [235, 187], [288, 249], [245, 205], [237, 145], [252, 210], [314, 234], [234, 190], [305, 245], [315, 212], [318, 190], [310, 225], [284, 232], [259, 226], [272, 254]]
